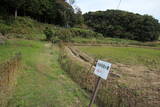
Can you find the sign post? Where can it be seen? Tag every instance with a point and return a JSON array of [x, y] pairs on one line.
[[102, 70], [95, 91], [94, 62]]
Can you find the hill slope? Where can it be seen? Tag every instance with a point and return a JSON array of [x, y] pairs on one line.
[[22, 27]]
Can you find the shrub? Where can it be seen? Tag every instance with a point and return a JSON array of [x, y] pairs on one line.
[[4, 29], [63, 34], [49, 33]]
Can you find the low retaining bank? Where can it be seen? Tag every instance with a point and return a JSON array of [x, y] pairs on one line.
[[118, 45], [8, 72]]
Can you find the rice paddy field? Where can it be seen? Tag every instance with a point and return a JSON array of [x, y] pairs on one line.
[[125, 55], [135, 67]]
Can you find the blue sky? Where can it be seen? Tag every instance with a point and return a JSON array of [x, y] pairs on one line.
[[150, 7]]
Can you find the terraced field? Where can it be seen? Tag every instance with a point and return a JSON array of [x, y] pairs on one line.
[[137, 68], [125, 55]]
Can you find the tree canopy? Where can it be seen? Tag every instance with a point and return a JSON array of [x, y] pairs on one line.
[[122, 24], [50, 11]]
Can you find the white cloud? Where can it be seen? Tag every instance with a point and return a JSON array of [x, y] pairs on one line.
[[150, 7]]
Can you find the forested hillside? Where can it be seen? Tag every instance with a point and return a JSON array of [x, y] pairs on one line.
[[57, 12], [122, 24], [111, 23]]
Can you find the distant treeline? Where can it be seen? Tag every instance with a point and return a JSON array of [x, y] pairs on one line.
[[57, 12], [122, 24]]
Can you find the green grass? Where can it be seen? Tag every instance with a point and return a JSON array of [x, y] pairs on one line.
[[125, 55], [41, 81], [27, 48]]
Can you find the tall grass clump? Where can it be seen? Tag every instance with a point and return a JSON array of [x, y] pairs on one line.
[[8, 73]]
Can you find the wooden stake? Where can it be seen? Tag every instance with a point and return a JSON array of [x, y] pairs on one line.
[[95, 91], [94, 62]]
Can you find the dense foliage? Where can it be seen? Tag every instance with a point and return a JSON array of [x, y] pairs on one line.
[[49, 33], [51, 11], [121, 24], [66, 34]]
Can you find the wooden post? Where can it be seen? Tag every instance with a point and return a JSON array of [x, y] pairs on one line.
[[91, 66], [95, 91]]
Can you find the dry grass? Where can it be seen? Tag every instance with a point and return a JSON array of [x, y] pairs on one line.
[[8, 71]]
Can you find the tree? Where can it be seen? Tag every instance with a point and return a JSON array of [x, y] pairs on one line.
[[122, 24], [12, 5], [78, 16], [15, 4], [49, 11]]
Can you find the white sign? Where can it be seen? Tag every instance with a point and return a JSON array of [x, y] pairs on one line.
[[102, 69]]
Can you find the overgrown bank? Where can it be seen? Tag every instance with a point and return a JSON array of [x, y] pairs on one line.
[[27, 28]]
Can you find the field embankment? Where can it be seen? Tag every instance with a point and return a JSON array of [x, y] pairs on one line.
[[127, 85], [79, 41]]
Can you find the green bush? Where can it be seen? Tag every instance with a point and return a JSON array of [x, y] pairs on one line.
[[49, 33], [63, 34], [4, 29]]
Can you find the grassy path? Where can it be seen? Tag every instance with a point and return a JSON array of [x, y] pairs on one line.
[[42, 83]]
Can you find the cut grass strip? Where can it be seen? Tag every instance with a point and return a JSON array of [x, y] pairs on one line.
[[42, 82]]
